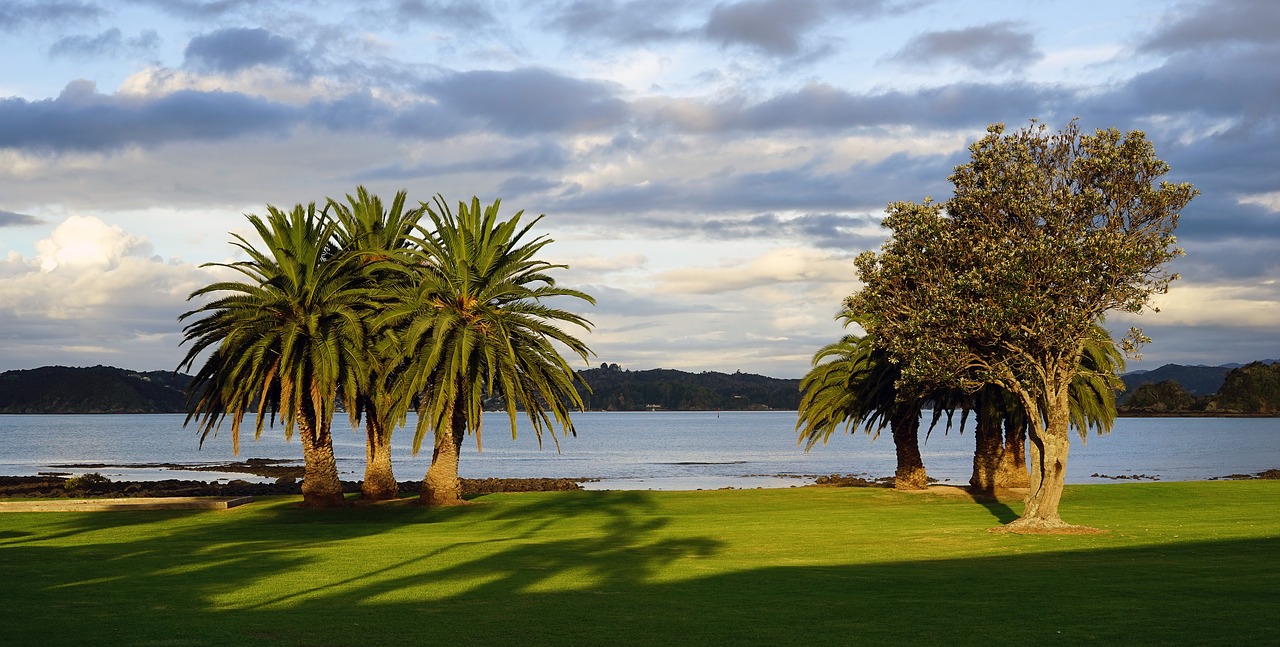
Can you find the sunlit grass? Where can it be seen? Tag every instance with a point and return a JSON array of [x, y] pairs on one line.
[[1189, 563]]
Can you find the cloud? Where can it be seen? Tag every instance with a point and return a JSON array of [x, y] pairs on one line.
[[201, 9], [82, 119], [1001, 45], [783, 28], [824, 107], [774, 27], [633, 22], [107, 44], [530, 100], [16, 15], [230, 50], [467, 15], [781, 265], [1217, 24], [93, 293], [85, 241], [11, 219]]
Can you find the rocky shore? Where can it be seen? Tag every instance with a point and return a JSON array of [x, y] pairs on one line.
[[87, 486]]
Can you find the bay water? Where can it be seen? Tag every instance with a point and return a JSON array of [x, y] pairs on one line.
[[633, 450]]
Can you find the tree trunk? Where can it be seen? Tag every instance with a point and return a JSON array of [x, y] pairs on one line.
[[442, 485], [379, 481], [906, 441], [987, 452], [321, 487], [1012, 471], [1049, 443]]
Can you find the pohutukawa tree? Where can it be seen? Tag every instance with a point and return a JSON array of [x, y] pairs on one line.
[[1000, 462], [1003, 283]]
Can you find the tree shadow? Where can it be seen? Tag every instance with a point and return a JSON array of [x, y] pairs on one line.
[[604, 568], [994, 504]]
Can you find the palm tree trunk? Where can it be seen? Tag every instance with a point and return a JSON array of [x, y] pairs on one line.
[[1012, 471], [987, 446], [906, 442], [321, 487], [379, 481], [442, 486]]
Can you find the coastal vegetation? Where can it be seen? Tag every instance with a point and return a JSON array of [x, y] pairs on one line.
[[1252, 389], [364, 306], [1005, 282], [105, 389], [1181, 563]]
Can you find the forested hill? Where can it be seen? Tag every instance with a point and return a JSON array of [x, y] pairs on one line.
[[1197, 380], [614, 389], [1248, 389], [1252, 389], [98, 389]]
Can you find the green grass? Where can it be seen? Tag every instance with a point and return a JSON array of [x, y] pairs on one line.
[[1183, 563]]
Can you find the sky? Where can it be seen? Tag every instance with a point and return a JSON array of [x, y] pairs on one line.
[[707, 170]]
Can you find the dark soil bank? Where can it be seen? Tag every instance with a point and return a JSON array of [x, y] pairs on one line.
[[57, 486]]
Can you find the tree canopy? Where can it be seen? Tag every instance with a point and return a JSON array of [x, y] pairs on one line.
[[1003, 283]]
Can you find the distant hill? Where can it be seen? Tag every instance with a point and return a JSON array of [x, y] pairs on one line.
[[98, 389], [614, 389], [1196, 380], [104, 389]]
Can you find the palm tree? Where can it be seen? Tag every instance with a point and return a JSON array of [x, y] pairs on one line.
[[288, 342], [474, 324], [376, 236], [854, 383]]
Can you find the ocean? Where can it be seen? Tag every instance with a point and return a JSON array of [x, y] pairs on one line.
[[634, 450]]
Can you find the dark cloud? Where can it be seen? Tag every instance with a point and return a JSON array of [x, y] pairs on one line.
[[782, 27], [1241, 83], [82, 119], [527, 101], [775, 27], [999, 45], [818, 107], [106, 44], [636, 21], [546, 156], [16, 15], [196, 9], [1207, 345], [469, 15], [822, 230], [864, 188], [228, 50], [1217, 24], [11, 219], [1238, 259]]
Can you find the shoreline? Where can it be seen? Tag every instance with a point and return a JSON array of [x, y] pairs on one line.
[[96, 486]]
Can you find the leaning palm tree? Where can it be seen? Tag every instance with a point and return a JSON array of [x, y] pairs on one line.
[[282, 343], [853, 383], [377, 236], [474, 324]]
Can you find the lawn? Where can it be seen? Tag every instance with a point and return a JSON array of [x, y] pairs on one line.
[[1182, 563]]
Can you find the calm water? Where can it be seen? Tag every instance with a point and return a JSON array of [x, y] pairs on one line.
[[641, 450]]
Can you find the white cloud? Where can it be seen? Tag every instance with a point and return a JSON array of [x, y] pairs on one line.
[[780, 265], [89, 242], [93, 292]]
